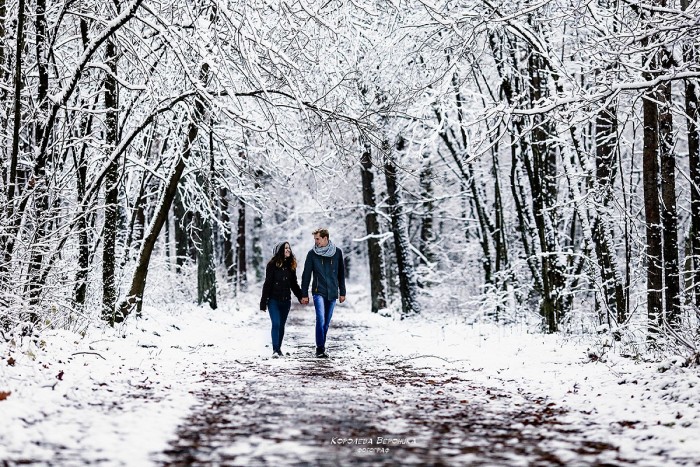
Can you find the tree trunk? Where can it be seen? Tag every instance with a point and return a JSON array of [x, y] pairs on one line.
[[257, 261], [427, 235], [82, 220], [669, 216], [404, 261], [109, 239], [206, 264], [206, 273], [181, 232], [544, 194], [499, 234], [374, 248], [8, 240], [11, 182], [692, 116], [80, 290], [242, 267], [652, 209], [227, 230], [606, 143], [38, 248]]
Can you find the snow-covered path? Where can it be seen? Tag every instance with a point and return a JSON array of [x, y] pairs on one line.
[[368, 406], [190, 386]]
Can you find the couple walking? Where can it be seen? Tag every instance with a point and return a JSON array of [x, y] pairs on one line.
[[325, 263]]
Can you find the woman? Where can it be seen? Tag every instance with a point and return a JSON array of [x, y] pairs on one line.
[[280, 279]]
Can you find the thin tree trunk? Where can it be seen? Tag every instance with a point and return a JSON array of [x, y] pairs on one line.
[[374, 248], [111, 213], [206, 274], [499, 233], [86, 119], [182, 226], [3, 92], [82, 220], [669, 216], [242, 267], [427, 235], [404, 261], [257, 261], [17, 124], [692, 116], [39, 247], [226, 221], [652, 209], [543, 187], [11, 182], [606, 143], [206, 264]]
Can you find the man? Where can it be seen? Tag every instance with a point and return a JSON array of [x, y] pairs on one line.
[[325, 262]]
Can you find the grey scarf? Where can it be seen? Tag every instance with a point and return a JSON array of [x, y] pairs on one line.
[[328, 250]]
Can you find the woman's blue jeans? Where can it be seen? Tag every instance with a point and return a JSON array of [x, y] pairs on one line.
[[279, 310], [324, 313]]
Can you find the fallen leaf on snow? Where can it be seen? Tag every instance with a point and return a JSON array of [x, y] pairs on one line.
[[4, 395]]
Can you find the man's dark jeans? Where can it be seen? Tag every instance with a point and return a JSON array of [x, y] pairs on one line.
[[324, 313]]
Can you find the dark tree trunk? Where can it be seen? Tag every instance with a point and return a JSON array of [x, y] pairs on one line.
[[374, 248], [652, 209], [499, 233], [82, 220], [257, 261], [8, 241], [17, 112], [181, 231], [692, 116], [242, 267], [606, 144], [206, 273], [427, 235], [40, 176], [404, 261], [669, 216], [81, 180], [544, 193], [109, 239], [229, 263], [524, 217], [206, 264]]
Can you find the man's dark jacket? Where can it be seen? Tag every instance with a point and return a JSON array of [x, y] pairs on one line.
[[328, 273]]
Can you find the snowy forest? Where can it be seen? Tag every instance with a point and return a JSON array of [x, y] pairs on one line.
[[515, 186], [509, 161]]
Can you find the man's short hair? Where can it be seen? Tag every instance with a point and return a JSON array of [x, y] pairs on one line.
[[322, 232]]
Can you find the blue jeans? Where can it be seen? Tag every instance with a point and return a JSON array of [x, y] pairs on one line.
[[279, 310], [324, 313]]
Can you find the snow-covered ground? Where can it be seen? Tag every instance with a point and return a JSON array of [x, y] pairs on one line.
[[127, 395]]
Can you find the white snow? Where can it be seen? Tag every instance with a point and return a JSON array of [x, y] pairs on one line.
[[126, 407]]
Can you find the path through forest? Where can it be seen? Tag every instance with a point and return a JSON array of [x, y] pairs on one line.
[[365, 405]]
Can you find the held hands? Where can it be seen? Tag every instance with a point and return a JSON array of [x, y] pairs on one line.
[[305, 300]]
